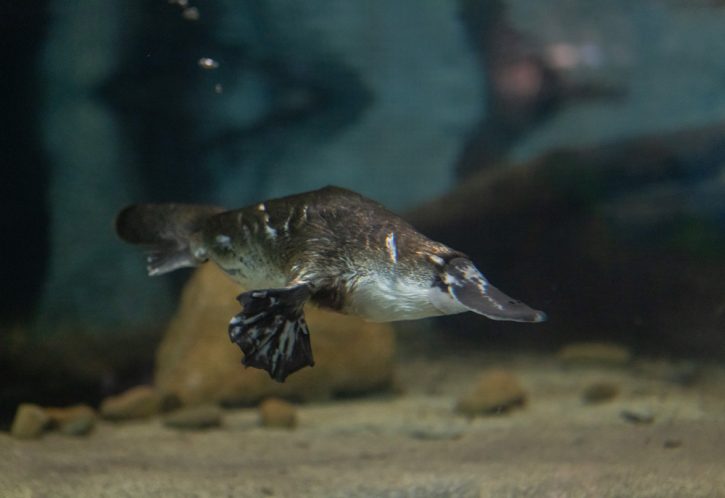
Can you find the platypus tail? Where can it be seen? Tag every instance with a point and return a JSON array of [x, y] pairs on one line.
[[165, 231]]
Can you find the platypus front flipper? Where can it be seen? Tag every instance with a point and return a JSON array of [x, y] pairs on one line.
[[271, 330], [470, 288]]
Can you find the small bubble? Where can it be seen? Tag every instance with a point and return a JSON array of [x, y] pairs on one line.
[[180, 3], [208, 63], [191, 14], [218, 88]]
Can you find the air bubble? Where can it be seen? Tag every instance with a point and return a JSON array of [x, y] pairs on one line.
[[208, 63], [190, 14]]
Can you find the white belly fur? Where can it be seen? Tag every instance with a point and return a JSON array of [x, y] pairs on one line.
[[398, 298]]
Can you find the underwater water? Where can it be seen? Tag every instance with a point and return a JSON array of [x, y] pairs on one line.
[[572, 151]]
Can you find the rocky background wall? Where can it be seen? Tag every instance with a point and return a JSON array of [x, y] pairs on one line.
[[574, 149]]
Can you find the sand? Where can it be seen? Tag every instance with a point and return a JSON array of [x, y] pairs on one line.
[[412, 443]]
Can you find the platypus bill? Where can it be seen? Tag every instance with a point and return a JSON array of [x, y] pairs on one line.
[[332, 247]]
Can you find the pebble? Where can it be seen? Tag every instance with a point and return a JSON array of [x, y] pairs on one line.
[[196, 417], [275, 412], [637, 416], [30, 421], [496, 392], [599, 392], [671, 444], [598, 353], [434, 433], [137, 402], [77, 420]]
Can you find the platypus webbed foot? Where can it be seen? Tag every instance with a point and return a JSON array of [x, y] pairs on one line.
[[271, 330]]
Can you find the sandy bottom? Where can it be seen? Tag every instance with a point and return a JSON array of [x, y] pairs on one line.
[[412, 444]]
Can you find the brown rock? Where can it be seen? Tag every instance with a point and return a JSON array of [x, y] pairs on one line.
[[76, 420], [497, 391], [600, 353], [599, 392], [197, 361], [275, 412], [196, 417], [137, 402], [30, 421]]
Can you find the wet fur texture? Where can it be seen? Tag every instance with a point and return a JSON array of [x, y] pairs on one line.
[[332, 247]]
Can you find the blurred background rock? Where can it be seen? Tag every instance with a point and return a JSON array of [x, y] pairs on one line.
[[574, 149]]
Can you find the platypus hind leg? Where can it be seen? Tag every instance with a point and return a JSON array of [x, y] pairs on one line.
[[271, 330]]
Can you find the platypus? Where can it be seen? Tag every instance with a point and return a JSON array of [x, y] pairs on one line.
[[332, 247]]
